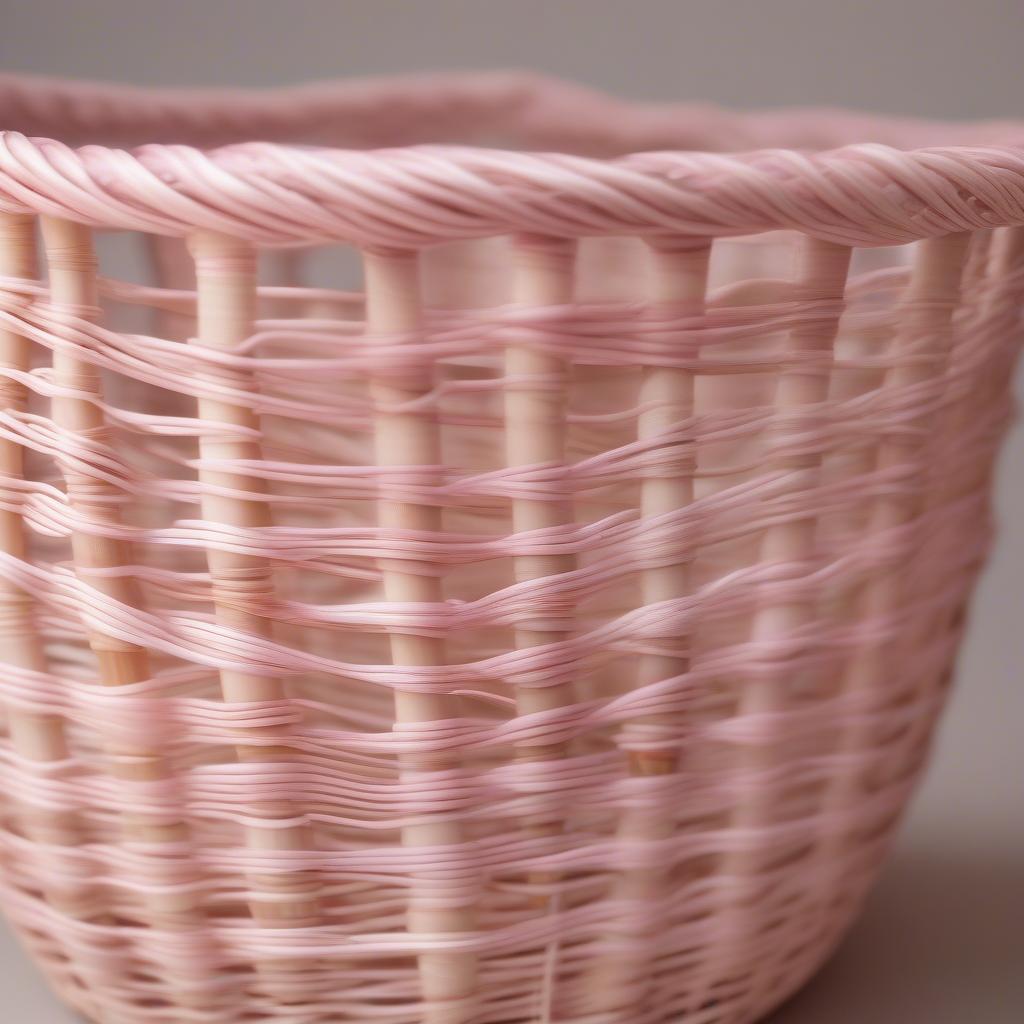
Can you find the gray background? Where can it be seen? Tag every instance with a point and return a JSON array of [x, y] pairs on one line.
[[942, 940]]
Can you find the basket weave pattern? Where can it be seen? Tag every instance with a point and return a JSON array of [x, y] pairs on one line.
[[546, 624]]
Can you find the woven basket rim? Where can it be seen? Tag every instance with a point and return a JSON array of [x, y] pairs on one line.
[[653, 169]]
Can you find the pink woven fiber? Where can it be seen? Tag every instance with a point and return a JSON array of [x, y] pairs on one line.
[[462, 585]]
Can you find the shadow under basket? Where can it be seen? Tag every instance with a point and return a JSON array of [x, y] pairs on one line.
[[447, 584]]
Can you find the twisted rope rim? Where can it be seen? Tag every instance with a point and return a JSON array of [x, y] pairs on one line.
[[276, 193]]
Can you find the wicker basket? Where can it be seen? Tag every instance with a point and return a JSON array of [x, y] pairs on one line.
[[453, 585]]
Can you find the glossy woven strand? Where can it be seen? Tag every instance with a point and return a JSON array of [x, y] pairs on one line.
[[486, 553]]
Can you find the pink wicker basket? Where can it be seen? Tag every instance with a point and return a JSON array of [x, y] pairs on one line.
[[454, 585]]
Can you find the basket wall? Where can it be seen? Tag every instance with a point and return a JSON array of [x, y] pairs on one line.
[[528, 628]]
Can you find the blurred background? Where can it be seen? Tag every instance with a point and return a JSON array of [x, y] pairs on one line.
[[942, 938]]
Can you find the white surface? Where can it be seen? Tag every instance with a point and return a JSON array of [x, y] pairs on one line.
[[942, 940]]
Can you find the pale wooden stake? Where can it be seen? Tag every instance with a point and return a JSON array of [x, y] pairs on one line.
[[678, 283], [821, 274], [926, 312], [36, 737], [535, 432], [990, 287], [72, 269], [242, 583], [393, 306]]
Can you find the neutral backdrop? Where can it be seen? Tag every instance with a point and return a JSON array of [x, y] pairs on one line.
[[942, 940]]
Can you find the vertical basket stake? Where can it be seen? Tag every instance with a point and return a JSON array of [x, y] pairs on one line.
[[393, 307], [677, 286], [34, 736], [243, 589], [821, 276], [72, 266], [535, 433]]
